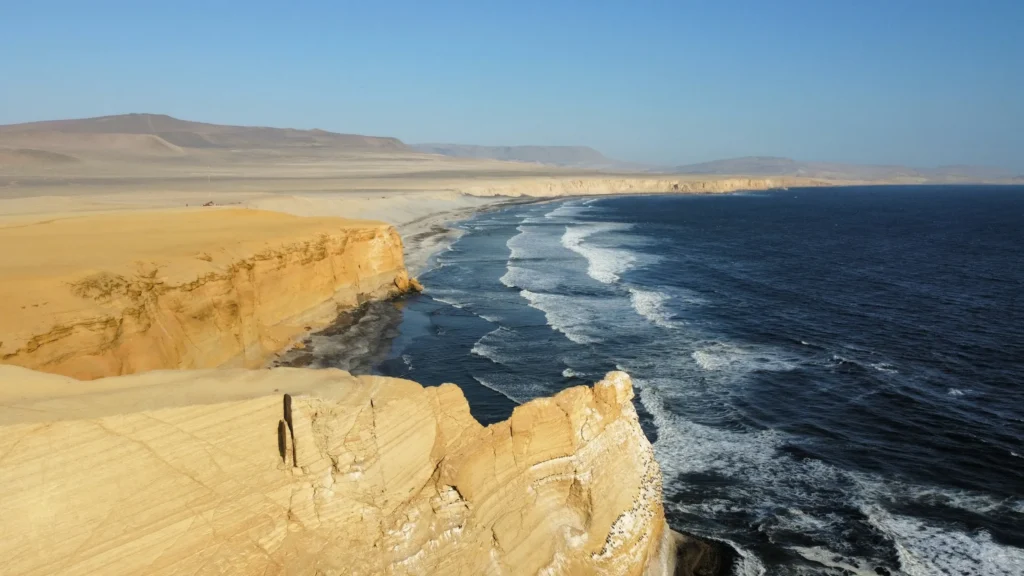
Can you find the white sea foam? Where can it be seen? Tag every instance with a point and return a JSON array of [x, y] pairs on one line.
[[567, 314], [773, 481], [448, 301], [570, 373], [651, 305], [686, 447], [603, 264], [491, 385], [928, 550], [457, 299], [533, 242], [828, 558], [490, 346], [884, 367], [721, 356], [516, 250], [877, 489], [568, 210], [520, 277], [956, 392], [748, 564]]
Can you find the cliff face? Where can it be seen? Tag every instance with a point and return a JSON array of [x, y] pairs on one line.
[[118, 294], [292, 471]]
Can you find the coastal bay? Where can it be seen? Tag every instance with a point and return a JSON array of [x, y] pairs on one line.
[[129, 312]]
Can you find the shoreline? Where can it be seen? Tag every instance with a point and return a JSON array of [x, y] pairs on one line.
[[299, 496], [429, 235]]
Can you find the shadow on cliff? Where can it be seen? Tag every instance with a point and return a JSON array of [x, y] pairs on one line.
[[701, 557], [356, 341]]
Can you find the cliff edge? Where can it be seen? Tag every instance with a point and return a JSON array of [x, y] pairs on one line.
[[113, 294], [291, 471]]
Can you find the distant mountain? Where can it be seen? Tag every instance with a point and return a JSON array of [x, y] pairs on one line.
[[570, 156], [775, 166], [171, 134]]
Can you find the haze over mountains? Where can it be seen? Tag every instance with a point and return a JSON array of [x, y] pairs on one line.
[[589, 158], [158, 137], [575, 156], [776, 166]]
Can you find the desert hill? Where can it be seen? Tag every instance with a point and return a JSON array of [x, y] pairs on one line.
[[158, 134], [124, 144], [570, 156]]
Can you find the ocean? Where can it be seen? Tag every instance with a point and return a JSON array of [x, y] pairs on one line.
[[833, 379]]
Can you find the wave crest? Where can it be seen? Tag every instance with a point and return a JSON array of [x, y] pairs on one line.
[[605, 265], [651, 305], [561, 315]]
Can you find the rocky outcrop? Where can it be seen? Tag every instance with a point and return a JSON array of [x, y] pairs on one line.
[[291, 471], [124, 293]]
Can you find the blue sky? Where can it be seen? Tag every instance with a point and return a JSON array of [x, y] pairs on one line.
[[919, 82]]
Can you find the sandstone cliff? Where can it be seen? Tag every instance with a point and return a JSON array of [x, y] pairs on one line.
[[111, 294], [292, 471]]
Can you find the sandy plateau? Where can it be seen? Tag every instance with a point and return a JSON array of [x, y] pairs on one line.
[[149, 268]]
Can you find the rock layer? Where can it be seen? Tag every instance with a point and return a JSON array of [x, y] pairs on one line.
[[291, 471], [119, 294]]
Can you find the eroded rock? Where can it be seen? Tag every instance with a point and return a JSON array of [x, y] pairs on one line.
[[336, 475]]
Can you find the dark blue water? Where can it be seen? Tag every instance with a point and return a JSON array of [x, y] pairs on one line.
[[833, 379]]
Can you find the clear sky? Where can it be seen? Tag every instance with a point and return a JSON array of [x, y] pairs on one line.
[[919, 82]]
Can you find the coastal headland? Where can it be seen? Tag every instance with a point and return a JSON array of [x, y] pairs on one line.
[[142, 288]]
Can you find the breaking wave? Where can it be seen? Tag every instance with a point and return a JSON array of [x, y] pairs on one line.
[[723, 356], [651, 305], [564, 315], [794, 493], [603, 264]]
